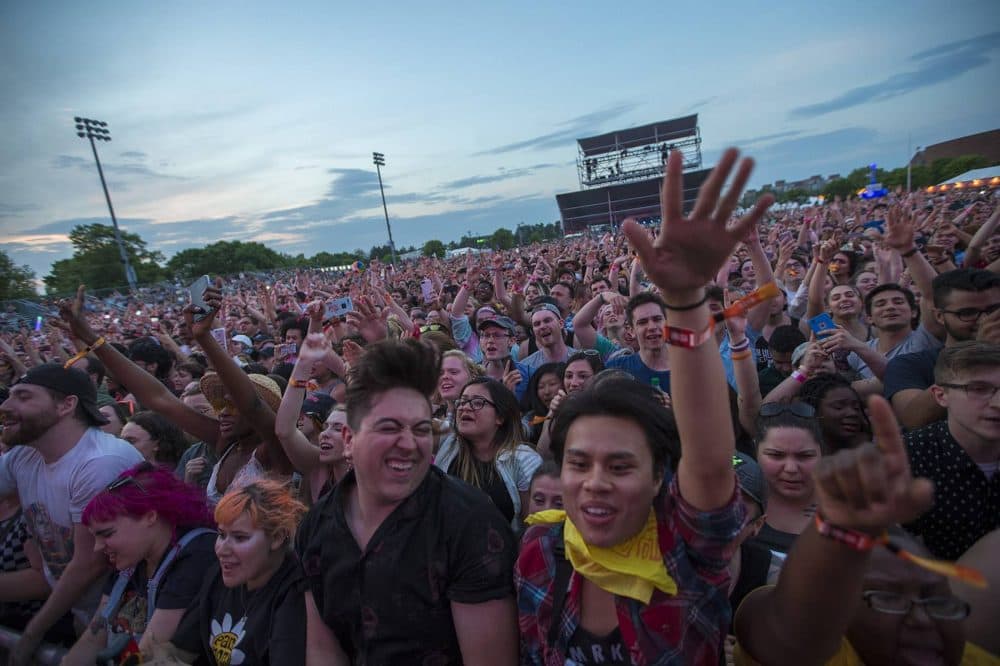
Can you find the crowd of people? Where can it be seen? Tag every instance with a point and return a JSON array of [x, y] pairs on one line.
[[747, 436]]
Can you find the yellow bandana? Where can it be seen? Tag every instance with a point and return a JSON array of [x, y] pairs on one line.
[[630, 569]]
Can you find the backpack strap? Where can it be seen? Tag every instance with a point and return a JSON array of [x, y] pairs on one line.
[[161, 571], [564, 569]]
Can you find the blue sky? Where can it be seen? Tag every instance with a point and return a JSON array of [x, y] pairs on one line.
[[256, 121]]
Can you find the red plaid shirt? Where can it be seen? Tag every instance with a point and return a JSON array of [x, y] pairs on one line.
[[687, 628]]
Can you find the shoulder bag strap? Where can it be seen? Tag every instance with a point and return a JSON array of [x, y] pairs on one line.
[[161, 571]]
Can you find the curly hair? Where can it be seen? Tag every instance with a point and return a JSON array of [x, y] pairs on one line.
[[170, 440], [268, 503], [148, 487]]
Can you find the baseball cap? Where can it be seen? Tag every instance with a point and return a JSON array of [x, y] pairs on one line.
[[243, 339], [500, 321], [751, 479], [70, 381], [318, 404]]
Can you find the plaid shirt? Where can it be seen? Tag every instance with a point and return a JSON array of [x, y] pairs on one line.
[[686, 628]]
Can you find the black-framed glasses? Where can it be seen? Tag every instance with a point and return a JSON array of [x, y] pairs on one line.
[[431, 327], [499, 335], [983, 391], [800, 409], [970, 315], [475, 404], [939, 608]]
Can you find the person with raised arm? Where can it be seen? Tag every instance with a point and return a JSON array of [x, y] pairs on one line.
[[306, 456], [842, 597], [243, 433], [666, 602]]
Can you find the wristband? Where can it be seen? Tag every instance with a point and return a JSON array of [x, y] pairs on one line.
[[819, 261], [739, 356], [685, 337], [740, 346], [741, 306], [83, 352], [683, 308], [910, 253], [306, 384], [799, 377], [853, 539]]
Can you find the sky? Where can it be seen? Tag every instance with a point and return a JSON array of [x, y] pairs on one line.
[[256, 121]]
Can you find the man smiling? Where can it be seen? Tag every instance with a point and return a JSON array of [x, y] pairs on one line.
[[404, 564]]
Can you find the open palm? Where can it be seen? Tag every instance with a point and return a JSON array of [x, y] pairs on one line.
[[689, 252]]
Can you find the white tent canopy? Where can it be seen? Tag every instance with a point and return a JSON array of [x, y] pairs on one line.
[[976, 174]]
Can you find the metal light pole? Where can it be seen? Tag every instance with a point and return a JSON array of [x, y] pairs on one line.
[[95, 129], [908, 166], [379, 160]]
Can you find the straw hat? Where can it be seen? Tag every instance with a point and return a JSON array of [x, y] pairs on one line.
[[267, 390]]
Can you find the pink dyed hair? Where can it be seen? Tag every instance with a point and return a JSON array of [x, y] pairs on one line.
[[155, 488]]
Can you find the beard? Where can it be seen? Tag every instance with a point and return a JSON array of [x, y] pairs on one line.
[[28, 429]]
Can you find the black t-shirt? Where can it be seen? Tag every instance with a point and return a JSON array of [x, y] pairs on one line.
[[755, 562], [178, 588], [966, 501], [585, 648], [776, 540], [494, 486], [392, 603], [230, 626]]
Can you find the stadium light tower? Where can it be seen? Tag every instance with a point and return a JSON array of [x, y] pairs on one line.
[[95, 129], [379, 160]]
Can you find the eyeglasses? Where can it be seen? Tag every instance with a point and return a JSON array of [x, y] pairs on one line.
[[493, 336], [475, 404], [969, 315], [939, 608], [983, 391], [800, 409], [431, 327]]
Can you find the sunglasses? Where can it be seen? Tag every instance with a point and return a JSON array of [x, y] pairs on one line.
[[123, 481], [800, 409], [431, 327]]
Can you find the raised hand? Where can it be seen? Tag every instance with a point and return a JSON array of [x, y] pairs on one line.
[[213, 298], [870, 487], [688, 252], [71, 311], [314, 348], [898, 229], [368, 320]]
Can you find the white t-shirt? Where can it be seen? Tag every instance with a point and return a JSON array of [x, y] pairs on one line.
[[54, 495]]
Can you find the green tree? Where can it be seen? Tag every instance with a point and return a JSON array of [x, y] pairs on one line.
[[97, 263], [227, 258], [433, 248], [502, 239], [15, 281], [326, 259]]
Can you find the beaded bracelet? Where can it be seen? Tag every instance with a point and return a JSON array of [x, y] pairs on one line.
[[83, 352]]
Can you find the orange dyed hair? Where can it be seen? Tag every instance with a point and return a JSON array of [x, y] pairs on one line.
[[269, 504]]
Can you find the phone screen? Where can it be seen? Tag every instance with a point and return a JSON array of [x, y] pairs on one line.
[[197, 295]]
